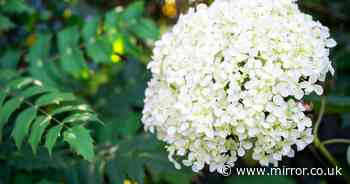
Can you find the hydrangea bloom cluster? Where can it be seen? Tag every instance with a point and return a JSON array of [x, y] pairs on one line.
[[230, 78]]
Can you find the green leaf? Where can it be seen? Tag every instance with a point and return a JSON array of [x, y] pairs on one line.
[[136, 170], [129, 124], [90, 28], [112, 21], [7, 75], [80, 140], [38, 58], [131, 48], [40, 49], [15, 6], [133, 11], [115, 173], [20, 83], [71, 175], [54, 98], [22, 125], [72, 60], [51, 137], [35, 90], [3, 95], [5, 23], [68, 37], [145, 29], [10, 58], [7, 109], [81, 117], [37, 131], [131, 162], [99, 49], [71, 108]]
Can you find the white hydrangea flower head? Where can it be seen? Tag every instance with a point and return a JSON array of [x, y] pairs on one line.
[[230, 77]]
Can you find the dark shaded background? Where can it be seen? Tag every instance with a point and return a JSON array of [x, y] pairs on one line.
[[124, 153]]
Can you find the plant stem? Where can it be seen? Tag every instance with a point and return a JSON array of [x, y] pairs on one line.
[[336, 141], [321, 147], [319, 118], [317, 141]]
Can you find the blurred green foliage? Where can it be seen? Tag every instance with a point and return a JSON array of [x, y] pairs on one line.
[[95, 52]]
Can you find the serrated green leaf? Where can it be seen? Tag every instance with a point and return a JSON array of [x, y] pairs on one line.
[[71, 108], [22, 125], [20, 83], [54, 98], [7, 109], [51, 137], [5, 23], [37, 131], [72, 60], [35, 90], [81, 117], [80, 140]]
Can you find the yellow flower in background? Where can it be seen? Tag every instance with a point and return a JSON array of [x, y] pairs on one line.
[[30, 40], [118, 46], [129, 182], [169, 8], [115, 58], [118, 49], [85, 73], [67, 13]]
